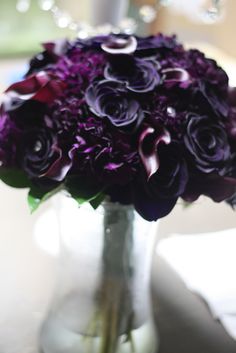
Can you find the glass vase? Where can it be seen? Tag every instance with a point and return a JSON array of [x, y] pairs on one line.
[[102, 301]]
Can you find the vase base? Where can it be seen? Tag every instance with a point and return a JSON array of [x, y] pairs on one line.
[[57, 339]]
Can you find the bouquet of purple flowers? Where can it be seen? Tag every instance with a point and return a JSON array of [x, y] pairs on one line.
[[141, 121]]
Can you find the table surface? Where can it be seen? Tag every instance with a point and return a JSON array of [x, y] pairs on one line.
[[184, 322]]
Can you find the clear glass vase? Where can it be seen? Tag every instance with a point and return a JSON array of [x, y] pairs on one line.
[[102, 301]]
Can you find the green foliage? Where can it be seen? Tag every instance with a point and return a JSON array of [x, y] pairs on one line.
[[14, 178], [186, 204], [80, 190], [97, 200], [37, 196]]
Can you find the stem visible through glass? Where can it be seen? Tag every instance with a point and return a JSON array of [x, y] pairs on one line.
[[114, 295]]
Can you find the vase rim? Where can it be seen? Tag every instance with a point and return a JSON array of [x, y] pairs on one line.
[[107, 204]]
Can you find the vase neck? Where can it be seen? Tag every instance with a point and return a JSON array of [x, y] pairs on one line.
[[118, 237]]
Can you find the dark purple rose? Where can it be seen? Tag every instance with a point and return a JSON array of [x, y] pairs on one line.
[[215, 100], [110, 99], [149, 206], [207, 142], [41, 87], [171, 178], [40, 156], [120, 44], [139, 75]]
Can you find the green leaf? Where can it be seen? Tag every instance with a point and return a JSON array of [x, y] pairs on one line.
[[186, 204], [94, 200], [33, 202], [14, 178], [97, 200], [82, 191], [37, 196]]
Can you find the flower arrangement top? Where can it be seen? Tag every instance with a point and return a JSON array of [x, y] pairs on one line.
[[141, 121]]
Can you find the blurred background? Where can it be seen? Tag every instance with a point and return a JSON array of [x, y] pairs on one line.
[[28, 244]]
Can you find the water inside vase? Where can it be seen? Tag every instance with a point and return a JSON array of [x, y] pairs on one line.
[[102, 300]]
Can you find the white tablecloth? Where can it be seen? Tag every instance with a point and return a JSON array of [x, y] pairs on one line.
[[207, 265]]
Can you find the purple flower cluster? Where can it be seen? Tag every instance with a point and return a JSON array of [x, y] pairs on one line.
[[139, 120]]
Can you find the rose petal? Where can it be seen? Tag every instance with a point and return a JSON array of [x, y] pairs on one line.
[[214, 186], [151, 208]]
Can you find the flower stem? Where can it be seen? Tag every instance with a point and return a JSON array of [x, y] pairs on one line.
[[114, 297]]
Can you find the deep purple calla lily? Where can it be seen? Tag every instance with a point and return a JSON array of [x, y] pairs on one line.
[[118, 45], [171, 178], [148, 144], [41, 87], [176, 76]]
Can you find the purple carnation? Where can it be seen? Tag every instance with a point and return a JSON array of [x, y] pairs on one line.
[[211, 82], [9, 137], [104, 153]]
